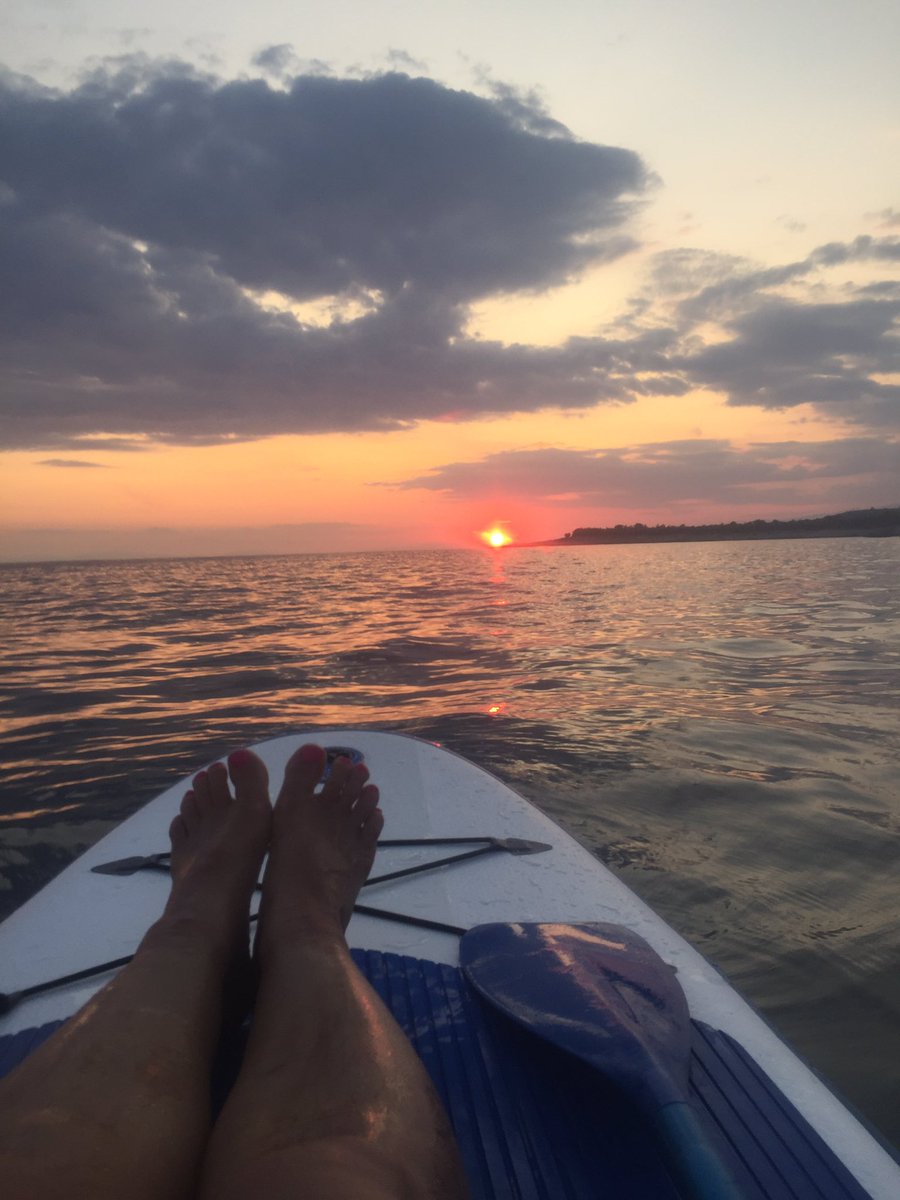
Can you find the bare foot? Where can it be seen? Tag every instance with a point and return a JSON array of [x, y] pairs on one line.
[[218, 844], [323, 846]]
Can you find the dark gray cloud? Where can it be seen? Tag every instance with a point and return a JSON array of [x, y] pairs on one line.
[[328, 184], [146, 211], [155, 222], [645, 477], [278, 61], [782, 354]]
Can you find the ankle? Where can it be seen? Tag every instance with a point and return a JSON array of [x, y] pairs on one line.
[[190, 933], [318, 936]]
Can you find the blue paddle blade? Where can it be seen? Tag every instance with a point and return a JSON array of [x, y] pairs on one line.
[[603, 995], [597, 991]]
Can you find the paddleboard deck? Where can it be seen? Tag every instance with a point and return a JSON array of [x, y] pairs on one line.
[[789, 1132]]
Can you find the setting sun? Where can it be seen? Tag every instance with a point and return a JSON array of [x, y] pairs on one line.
[[496, 537]]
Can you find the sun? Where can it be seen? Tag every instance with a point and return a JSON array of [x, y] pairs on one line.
[[496, 537]]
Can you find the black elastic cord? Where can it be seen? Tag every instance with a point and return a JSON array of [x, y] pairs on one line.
[[437, 841], [406, 919], [9, 1000], [438, 862], [486, 845]]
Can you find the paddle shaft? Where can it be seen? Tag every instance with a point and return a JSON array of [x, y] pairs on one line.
[[691, 1157]]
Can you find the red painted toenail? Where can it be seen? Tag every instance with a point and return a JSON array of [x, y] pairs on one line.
[[311, 754], [240, 758]]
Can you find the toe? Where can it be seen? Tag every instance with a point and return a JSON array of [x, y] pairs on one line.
[[178, 830], [217, 776], [249, 776], [202, 801], [371, 830], [337, 777], [302, 773], [354, 784], [190, 810], [345, 783], [366, 804]]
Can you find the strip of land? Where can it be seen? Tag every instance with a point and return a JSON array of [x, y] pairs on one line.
[[867, 522]]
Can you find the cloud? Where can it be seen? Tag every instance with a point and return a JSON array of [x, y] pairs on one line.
[[887, 218], [525, 107], [708, 286], [791, 224], [159, 224], [278, 60], [333, 183], [402, 60], [666, 474], [282, 63], [68, 462], [778, 343], [170, 242], [782, 354]]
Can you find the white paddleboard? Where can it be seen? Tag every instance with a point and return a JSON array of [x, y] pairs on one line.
[[84, 918]]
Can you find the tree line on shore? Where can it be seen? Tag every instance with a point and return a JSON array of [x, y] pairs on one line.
[[884, 522]]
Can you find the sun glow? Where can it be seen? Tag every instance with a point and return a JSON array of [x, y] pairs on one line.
[[496, 537]]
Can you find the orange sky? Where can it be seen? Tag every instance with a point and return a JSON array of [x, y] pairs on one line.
[[348, 478]]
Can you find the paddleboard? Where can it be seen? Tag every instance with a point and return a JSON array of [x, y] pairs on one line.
[[782, 1128]]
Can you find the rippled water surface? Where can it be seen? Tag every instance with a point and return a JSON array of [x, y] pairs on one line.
[[717, 721]]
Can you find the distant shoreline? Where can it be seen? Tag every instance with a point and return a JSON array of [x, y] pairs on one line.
[[874, 522]]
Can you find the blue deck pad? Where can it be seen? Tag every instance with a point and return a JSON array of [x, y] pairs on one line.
[[15, 1047], [535, 1125]]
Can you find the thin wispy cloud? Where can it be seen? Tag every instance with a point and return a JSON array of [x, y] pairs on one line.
[[668, 474], [887, 218], [777, 343], [69, 462]]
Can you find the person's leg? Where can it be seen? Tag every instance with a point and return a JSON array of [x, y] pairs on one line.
[[116, 1103], [332, 1102]]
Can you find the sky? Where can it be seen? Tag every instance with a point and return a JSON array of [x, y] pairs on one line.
[[383, 274]]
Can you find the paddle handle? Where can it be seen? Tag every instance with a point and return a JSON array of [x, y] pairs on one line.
[[692, 1157]]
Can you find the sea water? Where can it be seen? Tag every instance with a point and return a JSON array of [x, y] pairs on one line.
[[718, 722]]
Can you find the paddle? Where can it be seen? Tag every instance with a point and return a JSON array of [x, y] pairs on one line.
[[601, 993]]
